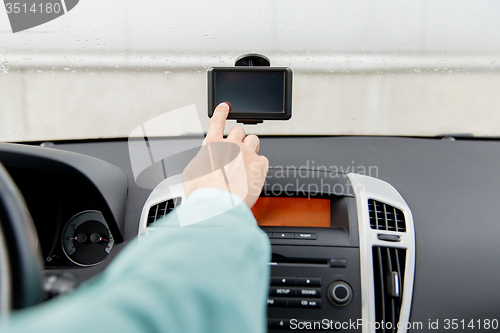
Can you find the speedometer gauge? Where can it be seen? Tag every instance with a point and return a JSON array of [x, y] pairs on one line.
[[86, 239]]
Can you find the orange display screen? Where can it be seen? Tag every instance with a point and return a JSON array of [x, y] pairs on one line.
[[292, 212]]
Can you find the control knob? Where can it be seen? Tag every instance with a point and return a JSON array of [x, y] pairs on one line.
[[340, 293]]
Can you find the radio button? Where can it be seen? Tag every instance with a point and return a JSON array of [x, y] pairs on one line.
[[282, 291], [283, 235], [279, 323], [300, 235], [309, 292], [304, 303], [276, 302], [282, 281], [305, 281]]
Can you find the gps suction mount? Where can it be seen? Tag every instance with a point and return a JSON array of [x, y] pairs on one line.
[[253, 59]]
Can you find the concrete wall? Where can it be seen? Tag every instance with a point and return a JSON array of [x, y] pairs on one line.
[[361, 67], [64, 104]]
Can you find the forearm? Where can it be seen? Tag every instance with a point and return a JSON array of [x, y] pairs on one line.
[[211, 276]]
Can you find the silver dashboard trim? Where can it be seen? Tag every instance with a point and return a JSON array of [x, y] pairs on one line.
[[365, 188], [170, 188]]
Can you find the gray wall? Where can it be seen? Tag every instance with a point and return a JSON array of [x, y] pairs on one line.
[[361, 67]]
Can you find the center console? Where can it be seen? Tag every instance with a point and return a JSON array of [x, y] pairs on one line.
[[311, 221], [343, 250]]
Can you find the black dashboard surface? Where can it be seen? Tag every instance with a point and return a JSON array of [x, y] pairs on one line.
[[452, 188]]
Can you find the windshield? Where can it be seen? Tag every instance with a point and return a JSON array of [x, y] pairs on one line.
[[417, 68]]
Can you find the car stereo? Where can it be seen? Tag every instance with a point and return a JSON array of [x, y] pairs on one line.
[[315, 269], [343, 249]]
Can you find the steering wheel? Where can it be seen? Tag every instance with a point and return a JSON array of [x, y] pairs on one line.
[[20, 256]]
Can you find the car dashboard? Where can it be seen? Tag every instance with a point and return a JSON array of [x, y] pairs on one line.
[[409, 228]]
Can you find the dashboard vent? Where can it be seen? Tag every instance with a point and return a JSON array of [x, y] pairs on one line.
[[388, 273], [161, 209], [385, 217]]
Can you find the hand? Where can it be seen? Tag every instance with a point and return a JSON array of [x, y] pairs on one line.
[[230, 164]]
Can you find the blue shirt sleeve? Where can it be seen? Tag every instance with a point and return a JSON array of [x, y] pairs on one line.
[[210, 275]]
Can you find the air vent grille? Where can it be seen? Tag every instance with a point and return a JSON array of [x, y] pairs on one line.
[[385, 217], [388, 273], [161, 209]]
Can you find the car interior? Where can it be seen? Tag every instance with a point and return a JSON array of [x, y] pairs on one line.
[[381, 202]]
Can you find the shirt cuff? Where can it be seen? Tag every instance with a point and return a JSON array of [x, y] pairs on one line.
[[204, 204]]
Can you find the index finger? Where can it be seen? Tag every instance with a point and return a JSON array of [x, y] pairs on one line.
[[217, 122]]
